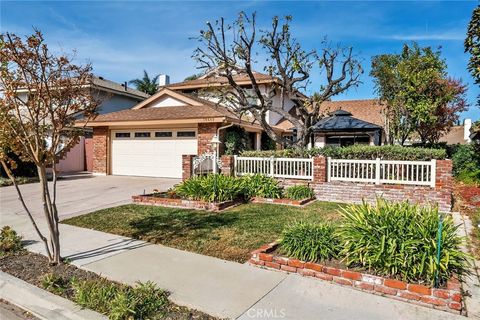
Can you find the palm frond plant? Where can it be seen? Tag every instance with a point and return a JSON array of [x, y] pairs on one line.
[[146, 84]]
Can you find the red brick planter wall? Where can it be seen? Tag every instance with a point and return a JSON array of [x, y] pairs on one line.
[[447, 299], [185, 204]]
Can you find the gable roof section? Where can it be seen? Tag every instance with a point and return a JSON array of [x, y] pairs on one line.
[[216, 81], [195, 108], [188, 100], [114, 87]]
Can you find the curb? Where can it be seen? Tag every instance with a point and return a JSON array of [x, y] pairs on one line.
[[41, 303]]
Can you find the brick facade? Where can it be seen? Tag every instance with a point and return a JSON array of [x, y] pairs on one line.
[[100, 150], [206, 131]]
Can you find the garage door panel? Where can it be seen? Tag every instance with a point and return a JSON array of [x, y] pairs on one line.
[[150, 157]]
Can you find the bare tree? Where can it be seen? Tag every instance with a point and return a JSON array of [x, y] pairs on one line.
[[229, 50], [42, 96]]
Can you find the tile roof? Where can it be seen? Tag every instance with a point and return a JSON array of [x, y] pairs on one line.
[[369, 110], [219, 81], [454, 136], [208, 109], [162, 113]]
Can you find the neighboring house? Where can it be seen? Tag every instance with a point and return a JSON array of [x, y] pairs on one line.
[[458, 134], [114, 97]]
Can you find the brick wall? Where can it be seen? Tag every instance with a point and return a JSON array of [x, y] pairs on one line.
[[100, 150], [351, 192], [187, 166], [227, 165], [206, 131]]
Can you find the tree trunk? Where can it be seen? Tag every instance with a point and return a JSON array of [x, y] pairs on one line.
[[50, 212]]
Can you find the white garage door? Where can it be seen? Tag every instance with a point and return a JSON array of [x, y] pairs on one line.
[[152, 153]]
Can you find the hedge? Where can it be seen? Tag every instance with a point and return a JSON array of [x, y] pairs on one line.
[[386, 152]]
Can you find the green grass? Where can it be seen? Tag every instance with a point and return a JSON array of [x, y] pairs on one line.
[[229, 235]]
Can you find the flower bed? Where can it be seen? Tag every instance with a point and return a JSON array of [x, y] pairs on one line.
[[165, 201], [448, 298], [284, 201]]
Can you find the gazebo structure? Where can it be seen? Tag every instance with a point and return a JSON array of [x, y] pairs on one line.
[[341, 129]]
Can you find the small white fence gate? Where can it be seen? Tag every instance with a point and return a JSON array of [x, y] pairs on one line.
[[291, 168], [382, 171]]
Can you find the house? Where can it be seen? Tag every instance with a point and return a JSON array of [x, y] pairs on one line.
[[459, 134], [114, 97]]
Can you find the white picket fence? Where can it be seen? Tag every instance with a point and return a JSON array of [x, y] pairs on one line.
[[292, 168], [382, 171]]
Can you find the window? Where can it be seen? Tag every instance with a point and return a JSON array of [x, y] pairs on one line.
[[122, 134], [142, 134], [163, 134], [184, 134]]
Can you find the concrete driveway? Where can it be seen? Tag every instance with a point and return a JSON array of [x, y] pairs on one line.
[[81, 193]]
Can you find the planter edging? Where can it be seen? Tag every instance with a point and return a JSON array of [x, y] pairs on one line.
[[148, 199], [283, 201], [448, 299]]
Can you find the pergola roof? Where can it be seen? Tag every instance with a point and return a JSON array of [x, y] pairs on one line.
[[342, 120]]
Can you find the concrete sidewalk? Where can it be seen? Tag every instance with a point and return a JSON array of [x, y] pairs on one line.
[[217, 287]]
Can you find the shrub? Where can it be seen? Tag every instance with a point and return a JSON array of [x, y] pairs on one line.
[[10, 241], [466, 163], [400, 240], [236, 140], [310, 241], [259, 185], [299, 192], [143, 301], [386, 152], [54, 283], [213, 187]]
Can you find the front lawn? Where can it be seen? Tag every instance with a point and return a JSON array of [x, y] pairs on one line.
[[229, 235]]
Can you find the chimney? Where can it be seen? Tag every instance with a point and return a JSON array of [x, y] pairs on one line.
[[163, 80], [125, 85], [467, 125]]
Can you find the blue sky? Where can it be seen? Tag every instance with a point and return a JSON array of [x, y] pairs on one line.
[[122, 38]]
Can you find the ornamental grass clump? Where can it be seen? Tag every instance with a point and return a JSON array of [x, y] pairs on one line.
[[310, 241], [259, 185], [211, 188], [399, 240], [299, 192]]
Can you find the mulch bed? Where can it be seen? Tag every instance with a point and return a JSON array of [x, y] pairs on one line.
[[32, 267]]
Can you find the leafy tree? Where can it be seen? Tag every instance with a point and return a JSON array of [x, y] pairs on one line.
[[43, 95], [146, 84], [418, 95], [472, 46], [229, 50], [193, 77]]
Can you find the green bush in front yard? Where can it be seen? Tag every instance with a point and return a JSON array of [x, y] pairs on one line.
[[213, 187], [310, 241], [386, 152], [10, 241], [400, 240], [466, 164], [299, 192], [259, 185], [144, 301]]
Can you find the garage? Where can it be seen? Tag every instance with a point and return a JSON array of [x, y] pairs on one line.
[[150, 152]]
